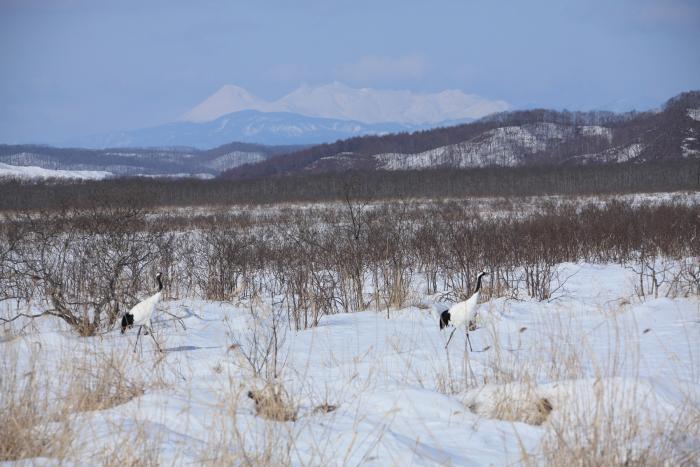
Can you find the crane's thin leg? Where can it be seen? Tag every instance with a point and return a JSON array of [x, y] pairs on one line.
[[137, 338], [150, 332], [451, 334], [470, 342]]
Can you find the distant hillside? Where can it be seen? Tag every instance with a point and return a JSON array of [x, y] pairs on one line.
[[510, 139], [249, 126], [176, 161]]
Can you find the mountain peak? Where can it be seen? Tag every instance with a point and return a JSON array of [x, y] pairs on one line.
[[229, 98], [340, 101]]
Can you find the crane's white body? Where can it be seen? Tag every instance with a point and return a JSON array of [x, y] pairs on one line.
[[463, 313], [140, 314], [143, 310]]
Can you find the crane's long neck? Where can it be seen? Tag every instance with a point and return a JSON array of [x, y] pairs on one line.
[[478, 283], [160, 283]]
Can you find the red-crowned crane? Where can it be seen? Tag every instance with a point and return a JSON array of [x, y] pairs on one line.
[[140, 314], [463, 312]]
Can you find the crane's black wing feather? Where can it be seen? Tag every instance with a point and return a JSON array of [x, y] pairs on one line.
[[444, 319]]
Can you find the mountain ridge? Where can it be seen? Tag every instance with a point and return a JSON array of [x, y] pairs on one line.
[[246, 126], [132, 161], [509, 139], [339, 101], [525, 137]]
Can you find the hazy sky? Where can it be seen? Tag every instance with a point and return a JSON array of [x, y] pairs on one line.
[[77, 67]]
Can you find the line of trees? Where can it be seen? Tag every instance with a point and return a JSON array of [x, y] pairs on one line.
[[440, 183]]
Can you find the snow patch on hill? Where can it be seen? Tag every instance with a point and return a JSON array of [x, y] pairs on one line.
[[235, 159], [629, 153], [596, 130], [18, 171], [508, 146], [504, 146]]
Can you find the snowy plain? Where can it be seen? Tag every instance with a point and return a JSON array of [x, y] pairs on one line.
[[377, 387], [20, 171]]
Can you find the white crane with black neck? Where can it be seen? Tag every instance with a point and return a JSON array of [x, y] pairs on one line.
[[463, 313], [140, 314]]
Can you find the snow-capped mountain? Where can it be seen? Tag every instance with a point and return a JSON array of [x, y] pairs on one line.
[[228, 99], [308, 115], [338, 101], [247, 126], [531, 137]]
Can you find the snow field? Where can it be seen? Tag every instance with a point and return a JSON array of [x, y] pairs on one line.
[[619, 375], [18, 171]]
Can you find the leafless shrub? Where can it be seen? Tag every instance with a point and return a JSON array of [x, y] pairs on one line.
[[88, 266], [390, 260], [350, 252], [687, 281], [428, 245], [660, 275], [261, 348], [653, 272], [225, 256]]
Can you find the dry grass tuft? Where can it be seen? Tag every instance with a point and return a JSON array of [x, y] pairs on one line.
[[325, 408], [238, 439], [544, 407], [137, 447], [38, 402], [605, 435], [101, 383], [510, 402], [273, 403], [28, 428]]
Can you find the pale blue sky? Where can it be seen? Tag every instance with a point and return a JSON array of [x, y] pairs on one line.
[[77, 67]]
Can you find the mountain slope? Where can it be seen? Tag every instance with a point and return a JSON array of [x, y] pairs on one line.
[[519, 138], [132, 161], [249, 126]]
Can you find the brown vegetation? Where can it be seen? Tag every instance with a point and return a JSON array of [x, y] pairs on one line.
[[86, 266], [39, 403], [272, 402]]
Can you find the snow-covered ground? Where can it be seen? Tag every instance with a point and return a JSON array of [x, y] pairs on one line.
[[20, 171], [594, 365]]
